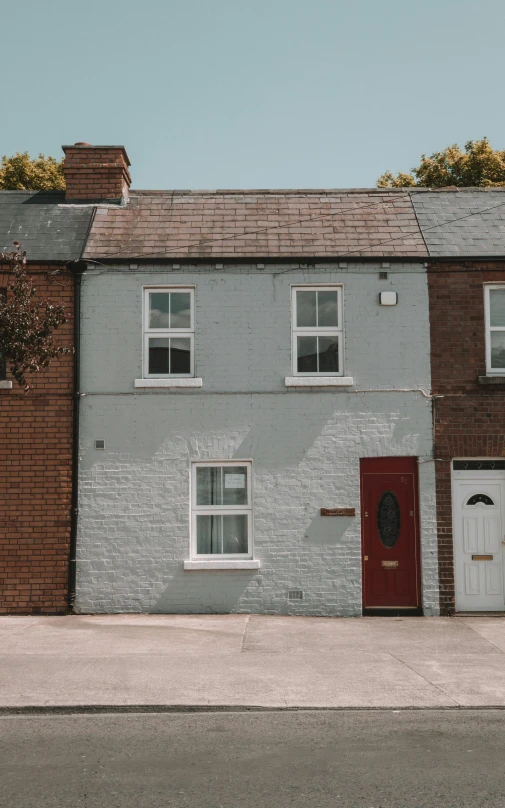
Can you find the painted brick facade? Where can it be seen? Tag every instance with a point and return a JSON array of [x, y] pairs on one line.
[[35, 475], [305, 445], [470, 417]]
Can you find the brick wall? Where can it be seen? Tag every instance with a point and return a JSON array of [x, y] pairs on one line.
[[470, 419], [35, 475], [96, 172]]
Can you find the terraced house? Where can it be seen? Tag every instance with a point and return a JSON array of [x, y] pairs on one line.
[[36, 429], [255, 411], [465, 235]]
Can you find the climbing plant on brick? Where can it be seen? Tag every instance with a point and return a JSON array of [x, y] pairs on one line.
[[27, 325]]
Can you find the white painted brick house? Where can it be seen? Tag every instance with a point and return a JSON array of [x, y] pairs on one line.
[[247, 360]]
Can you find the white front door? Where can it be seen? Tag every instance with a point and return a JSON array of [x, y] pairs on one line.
[[478, 503]]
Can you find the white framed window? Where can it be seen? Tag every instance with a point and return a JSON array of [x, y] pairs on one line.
[[317, 330], [169, 332], [494, 308], [221, 510]]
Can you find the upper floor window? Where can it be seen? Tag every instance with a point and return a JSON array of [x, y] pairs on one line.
[[495, 329], [317, 339], [169, 332]]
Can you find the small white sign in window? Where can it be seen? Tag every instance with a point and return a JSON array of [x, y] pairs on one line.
[[234, 480]]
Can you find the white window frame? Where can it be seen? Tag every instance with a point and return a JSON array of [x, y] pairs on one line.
[[490, 371], [167, 332], [221, 510], [316, 331]]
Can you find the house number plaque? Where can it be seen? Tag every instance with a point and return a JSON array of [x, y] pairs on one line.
[[338, 511]]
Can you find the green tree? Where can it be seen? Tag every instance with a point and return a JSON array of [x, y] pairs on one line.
[[479, 166], [21, 173], [27, 325]]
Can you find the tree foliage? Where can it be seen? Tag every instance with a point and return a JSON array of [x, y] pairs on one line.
[[27, 326], [479, 166], [21, 173]]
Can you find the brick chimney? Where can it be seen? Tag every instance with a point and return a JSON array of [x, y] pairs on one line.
[[96, 173]]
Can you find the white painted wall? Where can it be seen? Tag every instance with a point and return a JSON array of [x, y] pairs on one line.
[[305, 444]]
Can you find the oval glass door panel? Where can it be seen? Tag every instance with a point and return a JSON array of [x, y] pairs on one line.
[[388, 519]]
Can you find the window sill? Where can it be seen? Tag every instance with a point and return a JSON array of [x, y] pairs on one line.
[[5, 385], [229, 564], [319, 381], [491, 379], [182, 382]]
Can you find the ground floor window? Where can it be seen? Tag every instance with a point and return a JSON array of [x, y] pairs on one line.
[[221, 523]]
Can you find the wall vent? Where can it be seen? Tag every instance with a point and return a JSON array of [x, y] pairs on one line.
[[99, 444], [295, 594]]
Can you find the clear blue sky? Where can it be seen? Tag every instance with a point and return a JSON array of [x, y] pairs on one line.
[[253, 93]]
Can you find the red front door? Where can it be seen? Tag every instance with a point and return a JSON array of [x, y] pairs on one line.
[[390, 534]]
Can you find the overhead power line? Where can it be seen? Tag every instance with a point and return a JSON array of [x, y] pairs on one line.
[[159, 253]]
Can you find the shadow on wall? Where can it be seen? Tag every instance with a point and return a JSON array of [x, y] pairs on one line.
[[206, 592], [282, 436], [329, 529]]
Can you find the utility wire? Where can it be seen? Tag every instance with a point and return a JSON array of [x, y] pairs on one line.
[[340, 255], [261, 230], [315, 218]]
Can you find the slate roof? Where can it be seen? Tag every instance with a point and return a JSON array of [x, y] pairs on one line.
[[448, 229], [312, 223], [47, 229], [259, 224]]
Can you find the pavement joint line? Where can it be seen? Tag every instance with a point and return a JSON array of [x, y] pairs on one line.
[[17, 630], [109, 709], [246, 626], [481, 637], [444, 693]]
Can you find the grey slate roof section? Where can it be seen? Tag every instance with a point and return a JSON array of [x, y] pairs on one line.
[[481, 234], [47, 229]]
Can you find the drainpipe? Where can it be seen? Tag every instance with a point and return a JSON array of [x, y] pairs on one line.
[[77, 267]]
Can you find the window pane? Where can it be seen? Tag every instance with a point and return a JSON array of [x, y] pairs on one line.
[[209, 485], [328, 354], [158, 309], [221, 485], [306, 354], [180, 355], [180, 310], [159, 356], [327, 309], [306, 315], [221, 534], [235, 533], [235, 485], [497, 306], [498, 349]]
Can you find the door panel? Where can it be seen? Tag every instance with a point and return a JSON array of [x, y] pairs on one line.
[[472, 579], [470, 527], [493, 578], [390, 533], [478, 502], [492, 537]]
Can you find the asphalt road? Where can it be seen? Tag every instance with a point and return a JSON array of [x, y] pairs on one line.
[[366, 759]]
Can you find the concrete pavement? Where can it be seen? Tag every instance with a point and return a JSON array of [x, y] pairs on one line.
[[251, 661]]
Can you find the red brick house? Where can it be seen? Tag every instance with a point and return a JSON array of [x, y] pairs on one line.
[[37, 429], [464, 231]]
